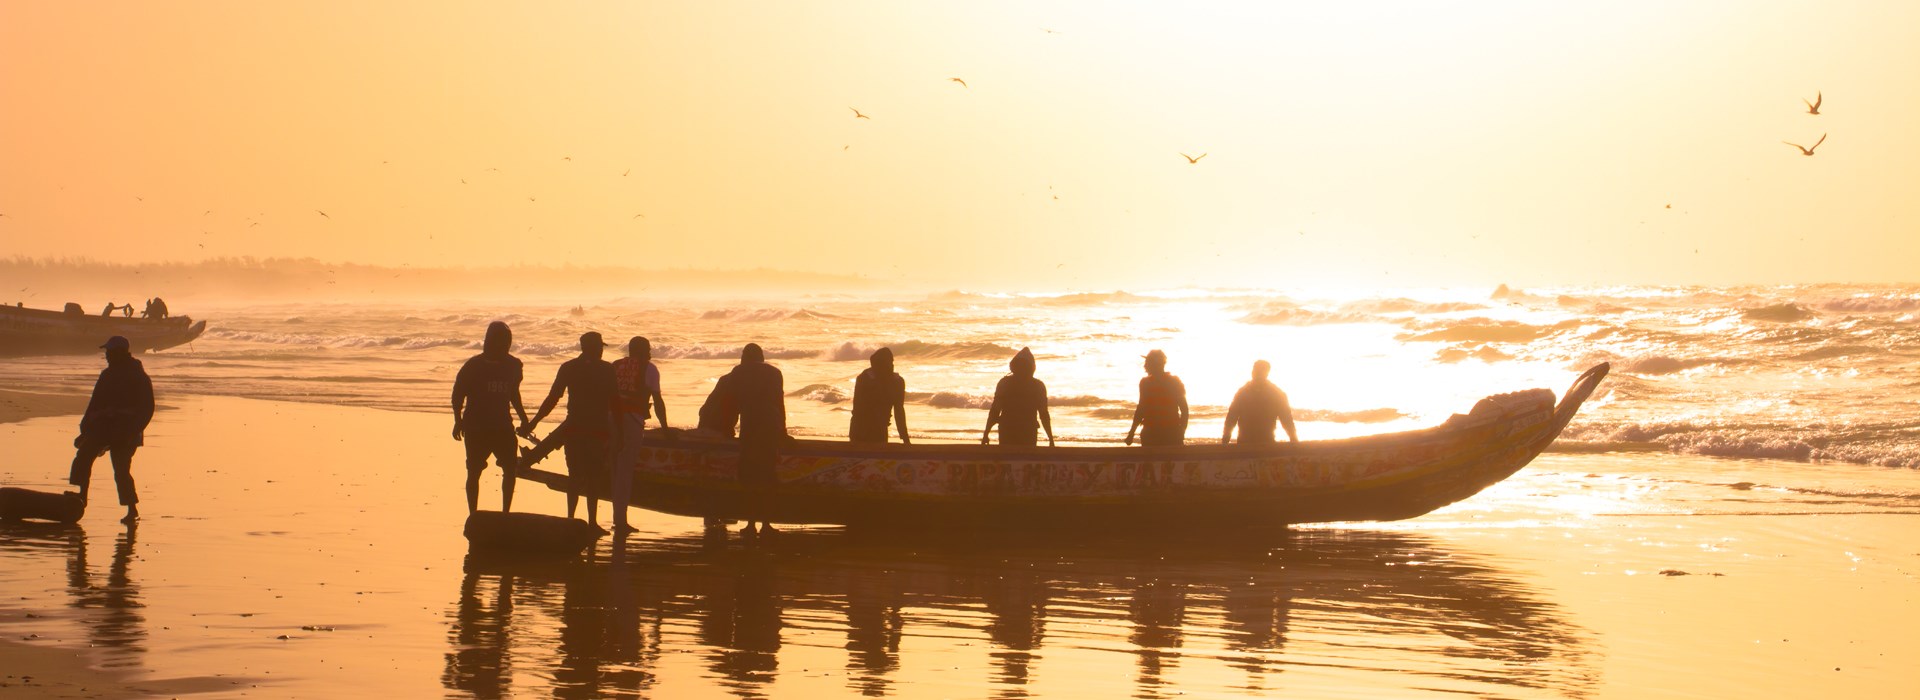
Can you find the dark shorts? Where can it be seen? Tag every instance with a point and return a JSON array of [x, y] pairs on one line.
[[498, 443], [586, 462], [1019, 435], [756, 461], [1162, 436]]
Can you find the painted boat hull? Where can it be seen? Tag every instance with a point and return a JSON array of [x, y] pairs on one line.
[[1380, 477], [25, 332]]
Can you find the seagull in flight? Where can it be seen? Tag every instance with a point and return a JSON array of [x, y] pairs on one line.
[[962, 83], [1814, 106], [323, 214], [1193, 159], [858, 115], [623, 173], [1805, 150]]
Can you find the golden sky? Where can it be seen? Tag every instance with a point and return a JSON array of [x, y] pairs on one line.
[[1348, 144]]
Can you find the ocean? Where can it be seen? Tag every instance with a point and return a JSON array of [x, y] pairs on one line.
[[1799, 373]]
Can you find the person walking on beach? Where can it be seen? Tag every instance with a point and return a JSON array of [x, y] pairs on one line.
[[1255, 408], [588, 383], [116, 421], [878, 394], [487, 385], [637, 385], [758, 392], [1163, 406], [1019, 406]]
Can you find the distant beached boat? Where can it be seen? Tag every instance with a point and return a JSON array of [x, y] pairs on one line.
[[1198, 487], [25, 331]]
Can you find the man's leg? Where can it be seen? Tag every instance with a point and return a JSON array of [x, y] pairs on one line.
[[576, 474], [476, 462], [123, 481], [504, 455], [596, 475], [627, 455], [81, 474]]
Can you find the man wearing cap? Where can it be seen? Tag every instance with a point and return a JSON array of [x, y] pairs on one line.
[[116, 420], [1162, 410], [637, 381], [879, 394], [588, 383]]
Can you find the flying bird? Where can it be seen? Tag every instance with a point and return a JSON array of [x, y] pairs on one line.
[[1814, 106], [463, 181], [962, 83], [1191, 159], [1805, 150], [639, 216], [323, 214], [858, 115], [566, 157], [624, 172]]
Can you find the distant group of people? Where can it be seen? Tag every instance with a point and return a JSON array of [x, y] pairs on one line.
[[608, 404], [155, 309]]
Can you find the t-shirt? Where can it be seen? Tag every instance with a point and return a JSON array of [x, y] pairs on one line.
[[1020, 400], [1257, 406], [635, 389], [489, 384], [1160, 398], [874, 396], [759, 394], [590, 387]]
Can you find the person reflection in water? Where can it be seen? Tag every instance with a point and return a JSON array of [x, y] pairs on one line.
[[637, 381], [1255, 408], [116, 421], [758, 392], [1019, 406], [1162, 408], [878, 394], [588, 383], [486, 386]]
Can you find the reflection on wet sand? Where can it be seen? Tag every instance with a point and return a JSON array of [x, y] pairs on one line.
[[111, 607], [1364, 602]]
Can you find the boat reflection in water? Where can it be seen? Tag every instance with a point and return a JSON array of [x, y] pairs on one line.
[[1339, 609]]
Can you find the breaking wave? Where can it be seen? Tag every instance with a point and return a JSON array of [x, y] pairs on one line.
[[763, 315], [1888, 446]]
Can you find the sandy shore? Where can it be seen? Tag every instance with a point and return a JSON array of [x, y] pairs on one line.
[[17, 406], [313, 550]]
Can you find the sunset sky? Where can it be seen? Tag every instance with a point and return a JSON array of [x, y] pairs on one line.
[[1533, 143]]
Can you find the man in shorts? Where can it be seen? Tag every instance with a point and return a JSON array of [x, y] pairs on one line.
[[486, 386], [588, 383]]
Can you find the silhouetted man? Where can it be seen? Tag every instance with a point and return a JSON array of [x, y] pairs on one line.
[[159, 307], [116, 420], [1255, 408], [1163, 406], [637, 385], [878, 394], [1019, 406], [487, 385], [758, 391], [588, 383]]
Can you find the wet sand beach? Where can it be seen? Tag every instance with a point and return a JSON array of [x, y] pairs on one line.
[[298, 550], [20, 405]]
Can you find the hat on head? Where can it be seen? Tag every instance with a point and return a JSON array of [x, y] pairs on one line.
[[117, 342]]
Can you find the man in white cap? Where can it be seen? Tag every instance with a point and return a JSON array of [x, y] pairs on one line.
[[116, 420]]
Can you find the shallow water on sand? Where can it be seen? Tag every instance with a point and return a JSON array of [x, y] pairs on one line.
[[295, 550]]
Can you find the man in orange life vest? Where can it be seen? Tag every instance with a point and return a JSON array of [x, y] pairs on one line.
[[637, 384], [1162, 408]]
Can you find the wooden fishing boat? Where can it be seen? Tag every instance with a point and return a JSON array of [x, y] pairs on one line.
[[25, 331], [1379, 477]]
